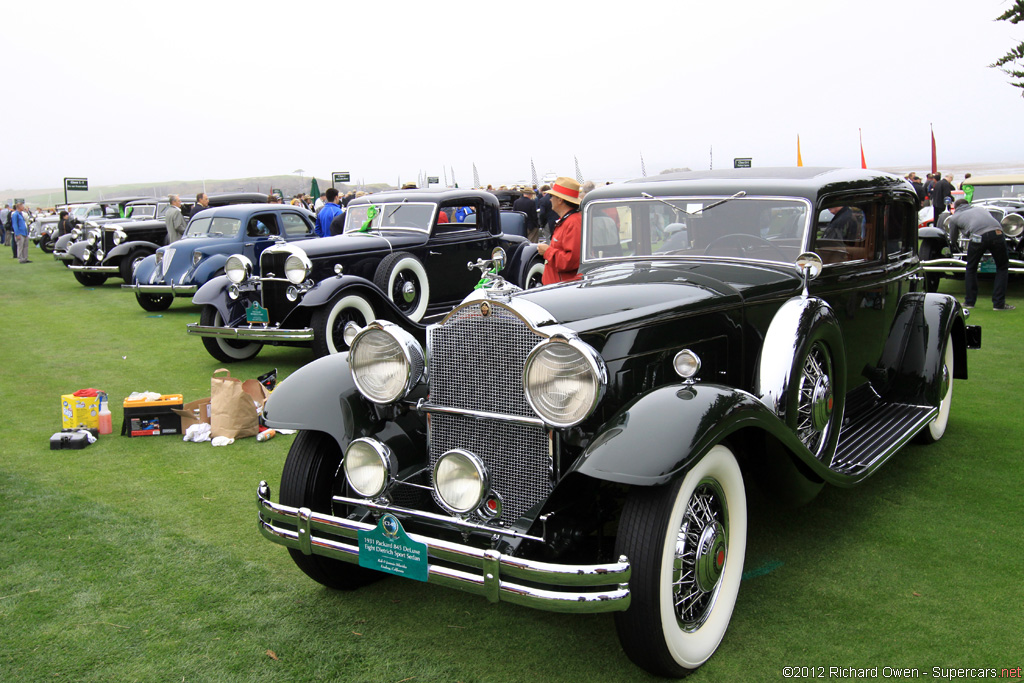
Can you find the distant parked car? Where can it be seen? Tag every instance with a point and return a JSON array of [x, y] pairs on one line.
[[945, 254], [211, 237], [108, 210], [395, 258]]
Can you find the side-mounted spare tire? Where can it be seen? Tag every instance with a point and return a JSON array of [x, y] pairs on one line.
[[328, 322], [404, 279]]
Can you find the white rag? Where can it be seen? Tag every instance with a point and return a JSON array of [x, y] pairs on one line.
[[222, 441], [197, 432]]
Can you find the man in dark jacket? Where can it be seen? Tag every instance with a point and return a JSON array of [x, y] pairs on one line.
[[943, 188], [545, 214], [528, 205]]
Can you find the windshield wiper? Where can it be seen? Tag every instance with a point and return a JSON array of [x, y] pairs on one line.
[[396, 209], [739, 194]]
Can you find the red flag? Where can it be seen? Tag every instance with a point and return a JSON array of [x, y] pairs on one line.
[[935, 163], [863, 163]]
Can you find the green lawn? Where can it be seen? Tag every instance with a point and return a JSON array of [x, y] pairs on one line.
[[139, 559]]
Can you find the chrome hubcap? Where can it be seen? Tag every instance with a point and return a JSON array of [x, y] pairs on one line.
[[408, 292], [815, 400], [700, 555]]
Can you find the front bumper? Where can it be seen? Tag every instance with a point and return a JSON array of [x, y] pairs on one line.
[[176, 290], [95, 269], [957, 266], [62, 256], [252, 333], [578, 589]]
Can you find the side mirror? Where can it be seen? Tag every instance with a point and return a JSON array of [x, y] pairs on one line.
[[809, 264], [498, 257]]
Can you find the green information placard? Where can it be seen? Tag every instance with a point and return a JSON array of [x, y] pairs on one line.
[[257, 314], [387, 548]]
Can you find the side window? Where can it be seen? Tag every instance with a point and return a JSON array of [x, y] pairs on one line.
[[900, 229], [848, 230], [294, 225], [461, 217], [262, 225]]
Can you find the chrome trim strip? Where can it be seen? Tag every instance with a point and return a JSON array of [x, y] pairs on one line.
[[579, 589], [422, 406], [95, 269], [251, 333], [162, 289], [445, 520], [952, 265]]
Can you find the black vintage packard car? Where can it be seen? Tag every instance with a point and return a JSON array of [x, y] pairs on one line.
[[400, 256], [945, 253], [587, 446]]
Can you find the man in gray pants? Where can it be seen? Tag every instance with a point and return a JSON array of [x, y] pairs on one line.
[[986, 234]]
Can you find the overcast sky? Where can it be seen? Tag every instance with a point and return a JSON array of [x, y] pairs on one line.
[[153, 92]]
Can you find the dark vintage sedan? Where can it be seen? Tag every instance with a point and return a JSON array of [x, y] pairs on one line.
[[210, 239], [399, 256], [588, 446], [89, 214], [945, 253]]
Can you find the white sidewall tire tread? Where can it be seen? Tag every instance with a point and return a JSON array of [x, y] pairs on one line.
[[412, 264], [351, 301], [937, 427]]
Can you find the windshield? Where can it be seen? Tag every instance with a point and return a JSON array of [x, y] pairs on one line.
[[83, 210], [409, 215], [140, 211], [213, 227], [764, 229], [998, 192]]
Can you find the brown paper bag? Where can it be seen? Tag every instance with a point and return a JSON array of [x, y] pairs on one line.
[[233, 412]]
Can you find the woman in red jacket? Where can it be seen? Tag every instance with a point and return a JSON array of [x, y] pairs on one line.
[[563, 254]]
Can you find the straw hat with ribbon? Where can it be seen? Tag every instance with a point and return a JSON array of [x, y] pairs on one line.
[[567, 189]]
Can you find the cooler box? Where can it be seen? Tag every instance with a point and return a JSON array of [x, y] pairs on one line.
[[79, 411], [152, 418]]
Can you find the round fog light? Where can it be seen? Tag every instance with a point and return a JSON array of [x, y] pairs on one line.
[[368, 467], [292, 294], [460, 480]]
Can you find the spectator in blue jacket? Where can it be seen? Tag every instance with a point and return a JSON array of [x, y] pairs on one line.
[[20, 233], [328, 213]]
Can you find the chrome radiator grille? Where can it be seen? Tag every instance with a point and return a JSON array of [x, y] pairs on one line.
[[477, 364], [273, 293]]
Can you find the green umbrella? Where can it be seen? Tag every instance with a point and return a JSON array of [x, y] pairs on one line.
[[314, 190]]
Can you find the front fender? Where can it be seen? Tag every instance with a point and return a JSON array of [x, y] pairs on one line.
[[656, 437], [330, 289], [207, 267], [213, 292], [146, 268], [520, 262], [933, 233], [322, 397], [125, 248], [78, 250]]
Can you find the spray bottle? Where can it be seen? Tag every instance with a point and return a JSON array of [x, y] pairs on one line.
[[105, 420]]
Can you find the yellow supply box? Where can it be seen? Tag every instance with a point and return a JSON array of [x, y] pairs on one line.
[[152, 418], [79, 411]]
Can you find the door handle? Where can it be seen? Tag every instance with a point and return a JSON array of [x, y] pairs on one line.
[[435, 253]]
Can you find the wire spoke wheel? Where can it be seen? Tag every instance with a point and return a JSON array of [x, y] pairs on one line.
[[815, 400], [700, 555]]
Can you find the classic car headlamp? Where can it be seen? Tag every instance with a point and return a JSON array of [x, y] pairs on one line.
[[386, 362], [238, 268], [686, 364], [76, 233], [1013, 224], [369, 466], [197, 256], [460, 480], [91, 238], [564, 380], [159, 257], [120, 236], [296, 268]]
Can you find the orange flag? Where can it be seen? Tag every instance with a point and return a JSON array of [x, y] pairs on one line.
[[799, 159], [863, 163]]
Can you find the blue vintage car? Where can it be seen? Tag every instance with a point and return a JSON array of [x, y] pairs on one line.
[[180, 268]]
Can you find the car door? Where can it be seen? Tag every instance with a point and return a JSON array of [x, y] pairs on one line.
[[450, 247], [856, 281]]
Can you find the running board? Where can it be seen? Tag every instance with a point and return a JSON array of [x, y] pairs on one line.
[[871, 437]]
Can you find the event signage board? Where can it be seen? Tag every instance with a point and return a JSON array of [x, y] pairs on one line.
[[742, 162]]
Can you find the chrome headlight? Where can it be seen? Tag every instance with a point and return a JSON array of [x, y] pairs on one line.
[[460, 480], [159, 257], [564, 380], [369, 466], [91, 237], [1013, 224], [238, 268], [197, 256], [120, 236], [296, 268], [76, 233], [386, 362]]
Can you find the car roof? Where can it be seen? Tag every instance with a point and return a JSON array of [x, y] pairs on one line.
[[1005, 179], [799, 181], [437, 196], [245, 210]]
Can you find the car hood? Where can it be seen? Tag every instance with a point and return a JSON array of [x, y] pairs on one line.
[[628, 294], [355, 243]]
